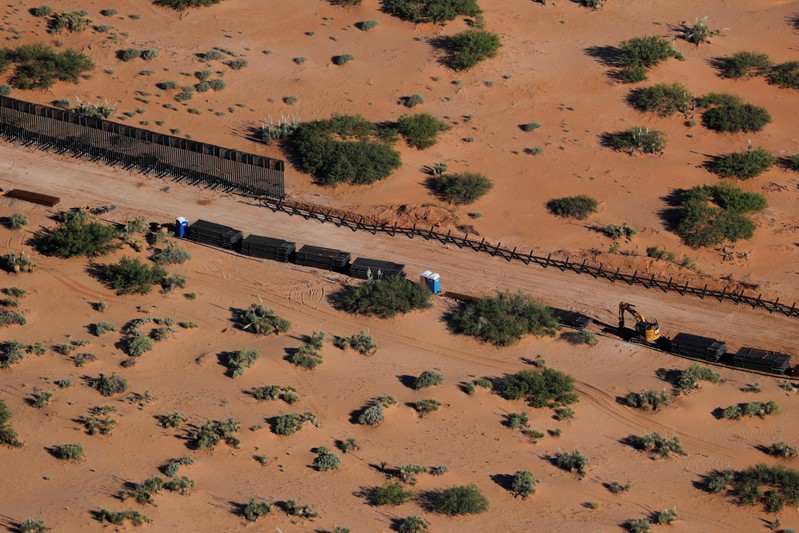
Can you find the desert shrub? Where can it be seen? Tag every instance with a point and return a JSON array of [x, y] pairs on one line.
[[638, 525], [413, 524], [42, 11], [214, 431], [734, 118], [72, 21], [391, 494], [292, 508], [698, 33], [306, 357], [237, 64], [237, 362], [468, 48], [461, 188], [180, 484], [326, 460], [362, 343], [523, 484], [14, 292], [37, 66], [274, 392], [518, 420], [742, 165], [348, 445], [82, 358], [580, 337], [41, 399], [143, 492], [460, 500], [33, 526], [128, 54], [271, 131], [412, 100], [666, 517], [171, 255], [184, 4], [77, 235], [291, 423], [98, 421], [343, 148], [744, 65], [782, 449], [505, 318], [661, 446], [424, 407], [373, 413], [637, 140], [17, 263], [748, 486], [648, 398], [704, 224], [131, 276], [617, 488], [785, 75], [172, 282], [149, 54], [564, 413], [664, 99], [386, 297], [173, 467], [255, 509], [8, 436], [571, 461], [540, 388], [109, 385], [421, 130], [17, 221], [166, 85], [136, 518], [262, 321], [428, 378], [67, 452], [173, 419], [752, 387], [645, 52], [11, 351], [136, 345], [578, 207], [160, 334], [367, 25], [342, 59], [438, 11], [750, 409], [691, 376]]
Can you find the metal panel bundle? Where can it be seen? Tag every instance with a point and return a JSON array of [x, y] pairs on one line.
[[766, 360], [699, 347], [325, 258], [375, 269], [33, 197], [571, 318], [268, 248], [215, 234]]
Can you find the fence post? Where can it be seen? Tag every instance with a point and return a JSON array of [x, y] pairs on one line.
[[668, 286], [310, 213], [635, 278], [615, 275], [446, 238], [496, 249], [413, 231], [463, 243], [723, 292], [684, 289], [651, 282], [703, 291], [790, 312], [480, 246], [512, 253], [430, 233], [394, 231], [327, 215], [565, 264], [582, 267], [548, 256], [775, 305], [530, 258]]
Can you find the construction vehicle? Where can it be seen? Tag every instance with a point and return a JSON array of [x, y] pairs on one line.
[[647, 329]]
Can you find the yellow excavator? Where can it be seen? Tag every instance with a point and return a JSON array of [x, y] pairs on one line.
[[648, 329]]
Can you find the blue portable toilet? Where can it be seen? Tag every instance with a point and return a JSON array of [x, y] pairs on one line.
[[181, 226], [434, 283]]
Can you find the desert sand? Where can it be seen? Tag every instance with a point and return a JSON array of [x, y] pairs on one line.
[[543, 73]]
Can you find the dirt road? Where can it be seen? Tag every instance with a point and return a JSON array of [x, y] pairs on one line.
[[79, 182]]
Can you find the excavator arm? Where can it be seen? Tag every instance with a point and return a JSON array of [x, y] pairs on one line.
[[648, 330]]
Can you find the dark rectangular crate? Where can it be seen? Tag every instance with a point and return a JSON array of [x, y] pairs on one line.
[[571, 318], [364, 268], [322, 257], [757, 359], [214, 234], [697, 346], [33, 197]]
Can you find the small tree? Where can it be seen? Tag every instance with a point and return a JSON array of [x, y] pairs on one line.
[[523, 484], [214, 431], [637, 140], [373, 414], [744, 65], [262, 321], [255, 509], [386, 297], [736, 118], [664, 99], [742, 165], [291, 423], [461, 188], [546, 387], [237, 362], [637, 55], [131, 276], [460, 500], [326, 460], [661, 446], [571, 461], [438, 11], [76, 235], [470, 47], [578, 207], [109, 385], [8, 437], [391, 494], [690, 378], [420, 131], [785, 75]]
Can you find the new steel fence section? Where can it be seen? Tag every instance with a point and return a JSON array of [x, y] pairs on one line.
[[482, 246], [132, 147]]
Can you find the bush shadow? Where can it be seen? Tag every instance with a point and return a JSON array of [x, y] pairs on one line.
[[407, 380], [505, 481], [607, 56], [671, 215], [669, 375]]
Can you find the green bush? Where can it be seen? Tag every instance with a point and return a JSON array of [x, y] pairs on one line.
[[428, 378], [306, 356], [468, 48], [460, 500], [750, 409], [72, 21], [791, 162], [785, 75], [237, 64], [8, 437], [33, 526], [748, 486], [391, 494], [255, 509], [578, 207], [372, 415], [648, 398], [523, 484], [292, 508], [128, 54], [571, 461], [136, 345], [546, 387], [660, 446], [367, 25], [67, 452], [438, 11], [617, 488], [343, 148], [691, 376], [425, 407], [42, 11], [736, 118], [109, 385], [131, 276], [17, 221], [185, 4], [143, 492], [704, 224], [412, 100], [742, 165], [326, 460], [118, 518], [638, 139], [664, 99], [505, 318], [413, 524], [420, 131], [698, 33], [149, 54], [37, 66], [17, 263], [291, 423], [782, 449], [645, 52], [262, 321], [173, 419], [108, 12], [213, 432], [386, 297], [237, 362], [744, 65], [342, 59], [11, 318], [638, 525], [171, 255], [461, 188], [77, 235]]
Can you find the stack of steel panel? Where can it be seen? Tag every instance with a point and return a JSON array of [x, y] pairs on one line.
[[699, 347], [268, 248], [215, 234], [571, 318], [765, 360], [325, 258], [33, 197], [374, 269]]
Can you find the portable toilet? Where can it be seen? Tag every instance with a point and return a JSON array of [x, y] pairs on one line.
[[423, 277], [434, 283], [181, 226]]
